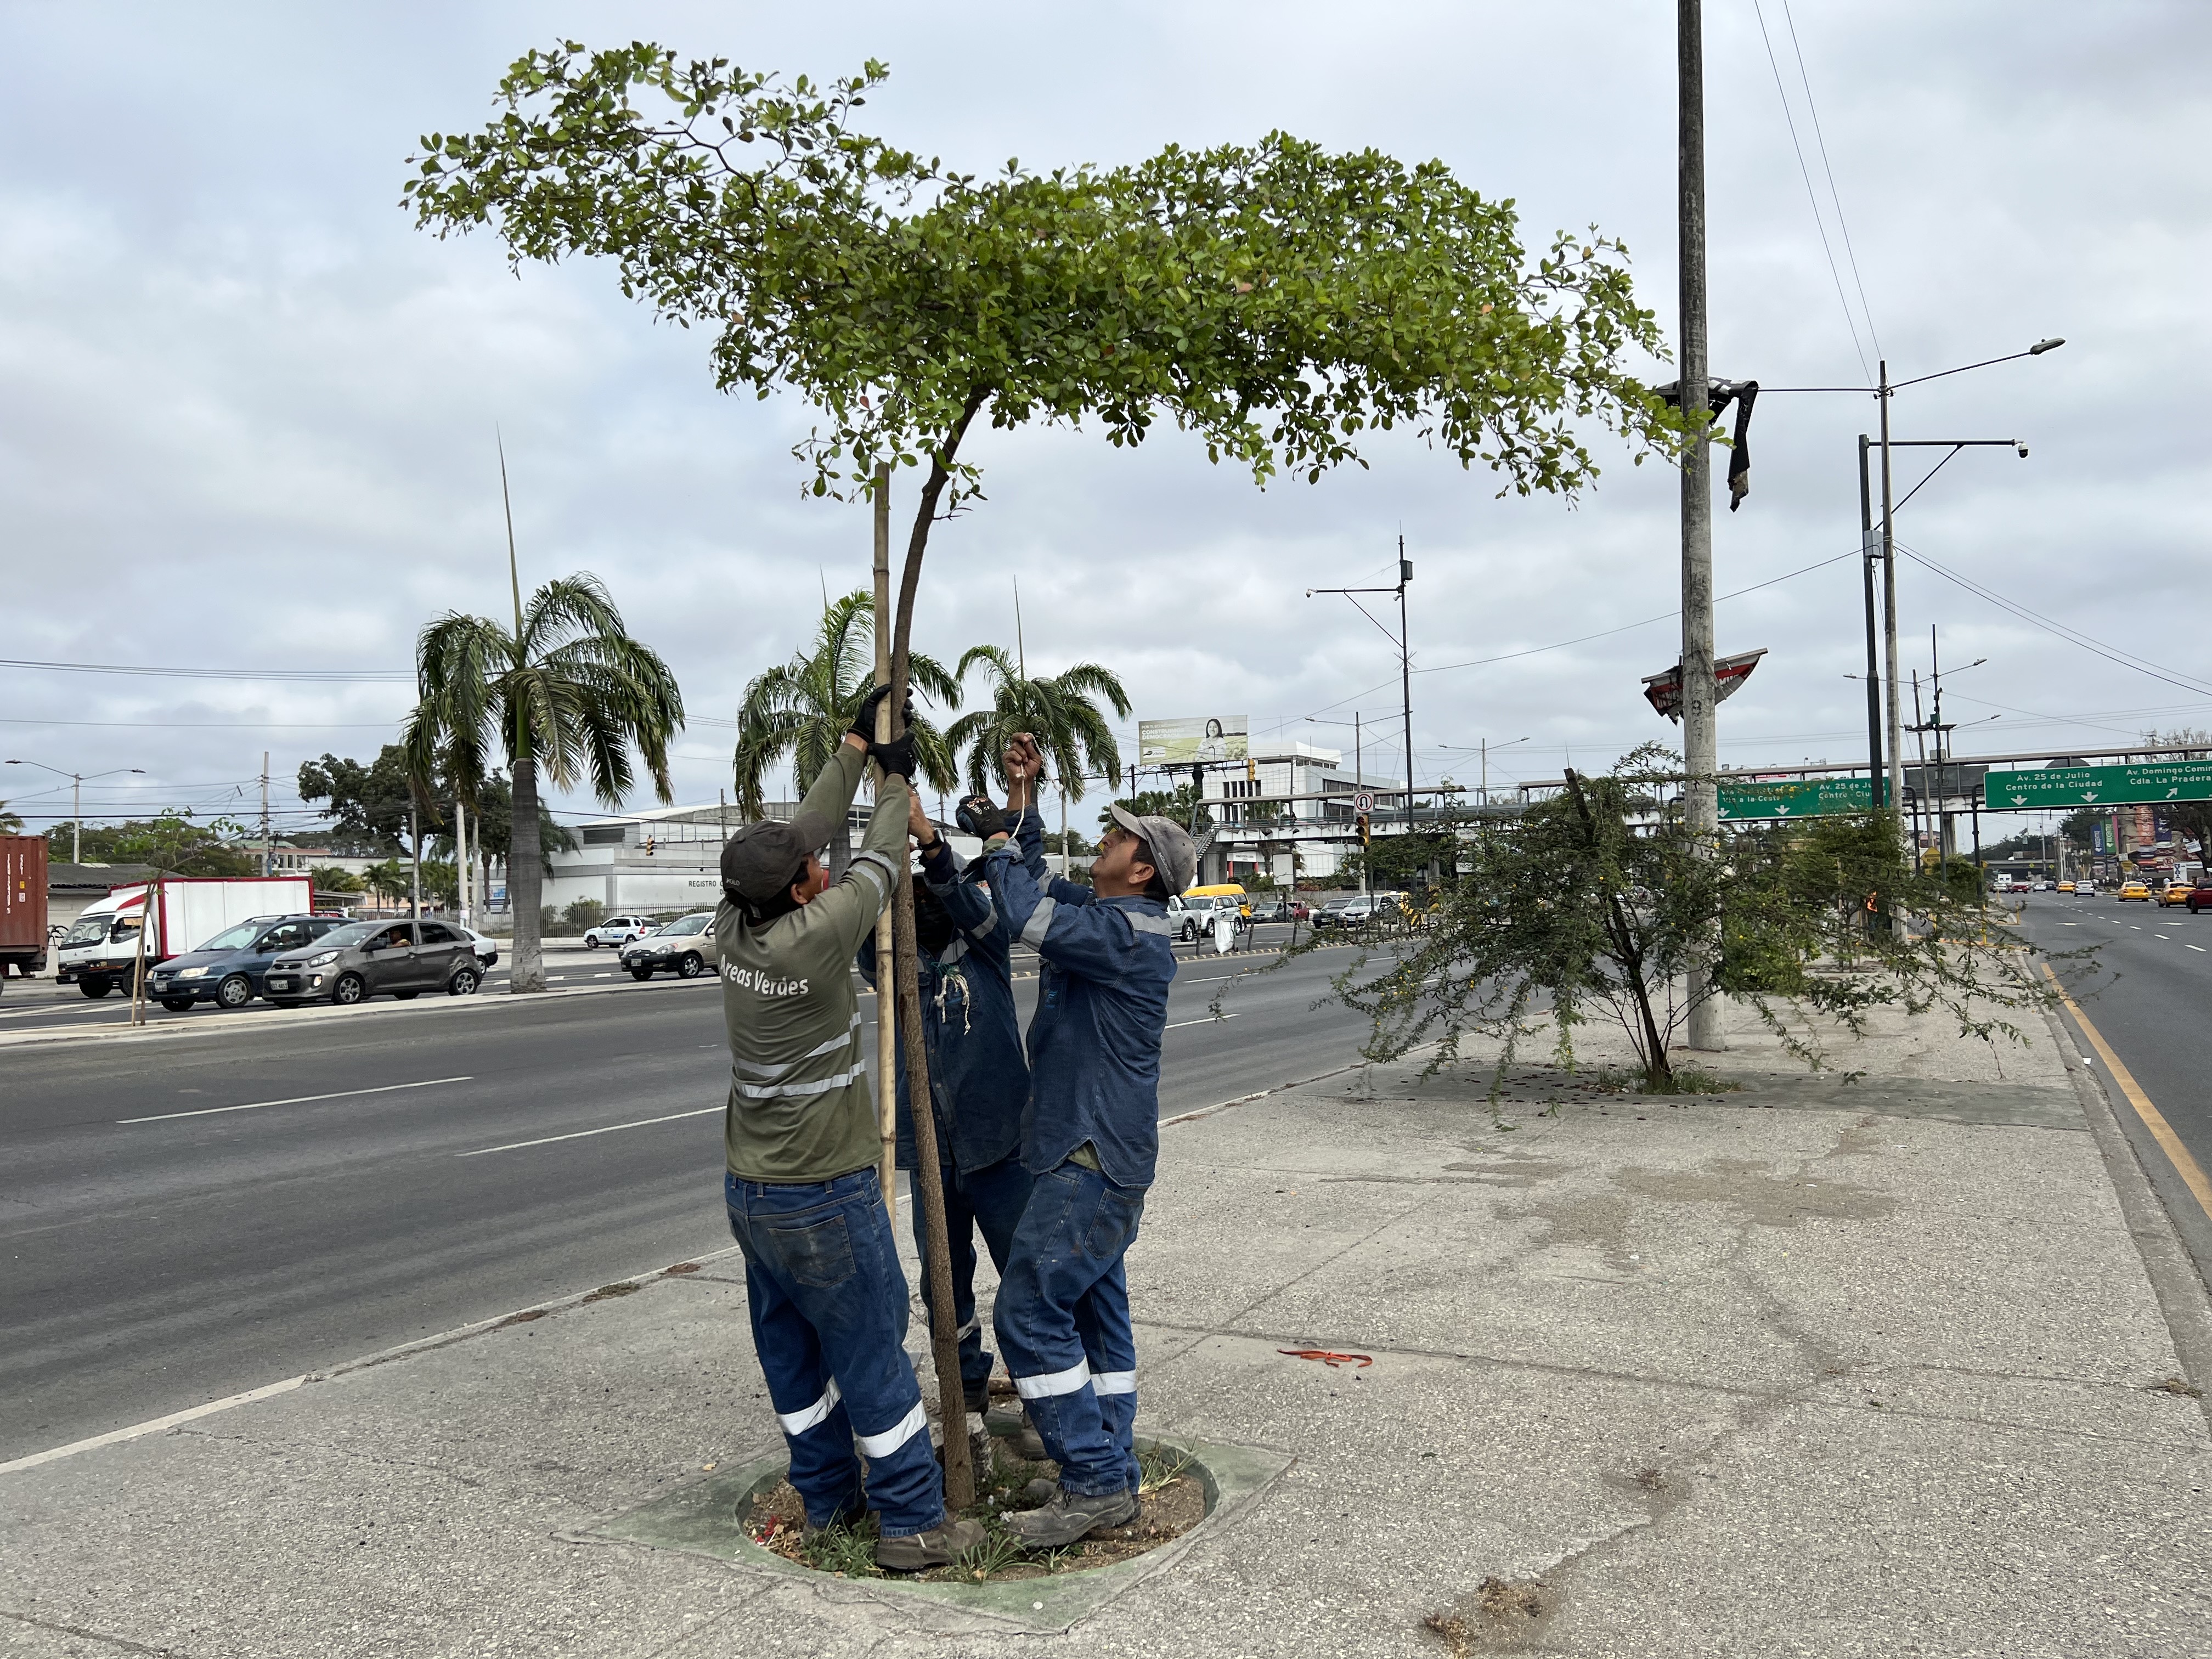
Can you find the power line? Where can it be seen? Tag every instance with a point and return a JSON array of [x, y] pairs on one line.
[[325, 675], [1834, 196], [1811, 197]]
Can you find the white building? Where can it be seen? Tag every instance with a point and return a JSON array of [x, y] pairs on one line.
[[668, 858], [1319, 832]]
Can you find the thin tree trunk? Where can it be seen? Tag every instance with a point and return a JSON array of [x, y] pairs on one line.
[[944, 1341], [525, 881]]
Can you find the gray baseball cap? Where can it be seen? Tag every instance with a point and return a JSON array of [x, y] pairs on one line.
[[762, 859], [1174, 855]]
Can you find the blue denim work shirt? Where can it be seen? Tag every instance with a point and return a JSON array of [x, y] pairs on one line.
[[1102, 1008]]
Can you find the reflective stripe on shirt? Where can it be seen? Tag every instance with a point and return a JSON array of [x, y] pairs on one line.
[[1040, 919], [1150, 924]]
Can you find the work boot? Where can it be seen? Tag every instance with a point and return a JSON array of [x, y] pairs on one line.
[[1039, 1491], [1066, 1517], [939, 1548], [850, 1513]]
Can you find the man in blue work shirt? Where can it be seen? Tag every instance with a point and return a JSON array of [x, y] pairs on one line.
[[978, 1079], [1090, 1141]]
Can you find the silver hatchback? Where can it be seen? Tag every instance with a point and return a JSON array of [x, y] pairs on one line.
[[364, 959]]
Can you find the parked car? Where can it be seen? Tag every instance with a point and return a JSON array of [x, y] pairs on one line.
[[685, 948], [364, 959], [2134, 889], [616, 931], [487, 949], [230, 968], [1355, 912]]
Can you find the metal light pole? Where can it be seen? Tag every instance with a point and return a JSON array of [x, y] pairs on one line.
[[1700, 726], [77, 798]]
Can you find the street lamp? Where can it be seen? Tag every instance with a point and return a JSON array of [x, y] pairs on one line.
[[1884, 548], [76, 798]]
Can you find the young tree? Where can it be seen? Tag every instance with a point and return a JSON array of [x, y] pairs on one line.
[[1275, 299], [567, 688], [491, 827], [799, 710], [368, 804], [1595, 901]]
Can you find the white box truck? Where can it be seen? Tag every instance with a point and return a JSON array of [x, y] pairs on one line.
[[101, 951]]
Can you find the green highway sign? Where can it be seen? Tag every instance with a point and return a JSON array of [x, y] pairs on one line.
[[1796, 800], [2076, 786]]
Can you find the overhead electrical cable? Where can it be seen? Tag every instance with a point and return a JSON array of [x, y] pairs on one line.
[[1835, 196], [325, 675], [1812, 196]]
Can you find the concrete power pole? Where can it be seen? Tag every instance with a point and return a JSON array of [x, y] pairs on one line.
[[886, 1002], [264, 812], [1700, 733]]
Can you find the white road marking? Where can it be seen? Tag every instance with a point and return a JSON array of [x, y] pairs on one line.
[[1209, 1020], [581, 1134], [112, 1435], [295, 1100], [2197, 948]]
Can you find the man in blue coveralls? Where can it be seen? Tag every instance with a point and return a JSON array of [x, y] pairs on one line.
[[1090, 1141], [978, 1079]]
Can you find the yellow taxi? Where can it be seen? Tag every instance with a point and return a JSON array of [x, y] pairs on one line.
[[2174, 892], [2134, 889], [2065, 886]]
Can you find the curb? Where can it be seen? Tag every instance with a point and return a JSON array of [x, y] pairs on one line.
[[2181, 1293]]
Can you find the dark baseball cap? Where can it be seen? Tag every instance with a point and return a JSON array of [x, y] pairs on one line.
[[1174, 855], [762, 861]]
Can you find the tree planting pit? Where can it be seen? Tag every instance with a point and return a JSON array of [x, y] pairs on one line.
[[750, 1518]]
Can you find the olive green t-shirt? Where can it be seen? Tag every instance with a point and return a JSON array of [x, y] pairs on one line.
[[801, 1109]]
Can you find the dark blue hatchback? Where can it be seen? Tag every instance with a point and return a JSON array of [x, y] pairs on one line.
[[228, 969]]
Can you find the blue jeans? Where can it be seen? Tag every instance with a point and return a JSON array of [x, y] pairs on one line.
[[989, 1201], [1063, 1323], [828, 1305]]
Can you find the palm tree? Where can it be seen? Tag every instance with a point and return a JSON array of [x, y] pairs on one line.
[[567, 689], [1060, 710], [802, 708]]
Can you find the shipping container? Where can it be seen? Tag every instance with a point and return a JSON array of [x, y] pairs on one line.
[[22, 905], [101, 951]]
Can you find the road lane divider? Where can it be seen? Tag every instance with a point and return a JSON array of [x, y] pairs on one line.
[[296, 1100], [1210, 1019], [2184, 1163], [580, 1134]]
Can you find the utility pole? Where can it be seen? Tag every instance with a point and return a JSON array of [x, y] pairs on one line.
[[1895, 709], [1700, 731], [264, 812], [1359, 783], [1406, 675], [1869, 553], [461, 861], [415, 839]]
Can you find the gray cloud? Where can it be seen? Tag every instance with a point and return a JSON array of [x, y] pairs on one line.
[[250, 409]]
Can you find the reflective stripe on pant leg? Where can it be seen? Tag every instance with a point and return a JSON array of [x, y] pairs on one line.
[[797, 1422], [1113, 1381], [883, 1444], [1054, 1383]]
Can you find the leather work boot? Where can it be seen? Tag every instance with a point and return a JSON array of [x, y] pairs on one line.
[[938, 1547], [1068, 1516], [1039, 1491]]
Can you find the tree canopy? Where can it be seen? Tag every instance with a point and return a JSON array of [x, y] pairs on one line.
[[1277, 299]]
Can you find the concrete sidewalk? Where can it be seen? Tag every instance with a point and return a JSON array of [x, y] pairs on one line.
[[1813, 1368]]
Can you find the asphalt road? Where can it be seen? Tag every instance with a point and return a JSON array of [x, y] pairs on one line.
[[2147, 993], [183, 1218]]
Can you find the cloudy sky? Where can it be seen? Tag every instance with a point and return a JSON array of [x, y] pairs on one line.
[[248, 411]]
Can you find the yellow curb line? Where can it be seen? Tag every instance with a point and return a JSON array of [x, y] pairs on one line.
[[2191, 1172]]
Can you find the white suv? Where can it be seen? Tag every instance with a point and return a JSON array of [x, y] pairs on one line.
[[616, 931]]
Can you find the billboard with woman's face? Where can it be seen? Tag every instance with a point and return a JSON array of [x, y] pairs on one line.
[[1192, 742]]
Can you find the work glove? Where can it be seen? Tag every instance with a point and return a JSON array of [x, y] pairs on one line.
[[864, 723], [979, 817], [895, 755]]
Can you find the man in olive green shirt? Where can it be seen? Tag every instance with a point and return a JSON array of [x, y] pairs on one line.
[[826, 1293]]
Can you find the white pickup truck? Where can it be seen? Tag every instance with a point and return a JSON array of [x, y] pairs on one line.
[[101, 951]]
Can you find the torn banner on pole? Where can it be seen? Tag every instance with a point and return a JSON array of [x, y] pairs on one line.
[[1719, 394], [1664, 691]]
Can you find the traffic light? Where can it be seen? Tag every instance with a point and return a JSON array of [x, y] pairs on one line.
[[1365, 829]]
